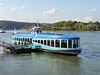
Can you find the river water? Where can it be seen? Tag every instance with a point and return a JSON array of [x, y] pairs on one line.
[[86, 63]]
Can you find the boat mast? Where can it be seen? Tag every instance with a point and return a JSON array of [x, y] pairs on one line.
[[37, 24]]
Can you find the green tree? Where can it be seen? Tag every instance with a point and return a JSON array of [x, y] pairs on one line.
[[89, 28], [25, 27]]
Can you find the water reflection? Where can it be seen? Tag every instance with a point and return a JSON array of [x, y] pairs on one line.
[[39, 64], [59, 64]]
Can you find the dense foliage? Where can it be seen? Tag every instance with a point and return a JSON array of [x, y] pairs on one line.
[[59, 26], [73, 26], [25, 27]]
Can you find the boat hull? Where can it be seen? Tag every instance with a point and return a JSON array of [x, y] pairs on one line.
[[67, 52]]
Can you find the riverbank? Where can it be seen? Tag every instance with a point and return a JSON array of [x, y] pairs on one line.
[[70, 31], [61, 31]]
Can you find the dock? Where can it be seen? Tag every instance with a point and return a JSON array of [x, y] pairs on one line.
[[10, 48]]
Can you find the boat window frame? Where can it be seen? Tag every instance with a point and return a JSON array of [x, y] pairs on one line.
[[44, 42], [21, 39], [36, 41], [71, 43], [59, 43], [25, 39], [52, 43], [41, 41], [66, 43], [17, 38], [19, 42], [28, 39], [33, 40], [78, 43], [75, 43], [48, 44]]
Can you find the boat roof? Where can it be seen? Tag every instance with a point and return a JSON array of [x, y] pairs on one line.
[[51, 36]]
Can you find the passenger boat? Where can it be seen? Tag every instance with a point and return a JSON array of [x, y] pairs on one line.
[[49, 42]]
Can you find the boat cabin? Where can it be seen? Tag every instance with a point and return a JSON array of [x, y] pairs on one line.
[[36, 30]]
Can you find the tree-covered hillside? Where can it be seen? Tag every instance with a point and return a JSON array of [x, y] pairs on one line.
[[10, 25], [73, 26]]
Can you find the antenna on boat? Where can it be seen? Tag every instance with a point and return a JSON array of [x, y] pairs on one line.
[[37, 24]]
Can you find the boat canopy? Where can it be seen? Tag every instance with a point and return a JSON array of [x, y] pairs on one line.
[[51, 36]]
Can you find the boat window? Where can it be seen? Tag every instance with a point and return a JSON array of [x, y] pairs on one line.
[[38, 41], [57, 43], [15, 43], [44, 42], [48, 43], [25, 39], [17, 39], [24, 43], [69, 43], [41, 41], [75, 43], [18, 42], [78, 42], [63, 43], [21, 39], [35, 40], [52, 43], [28, 39]]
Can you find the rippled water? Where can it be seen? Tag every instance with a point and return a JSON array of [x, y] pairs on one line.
[[86, 63]]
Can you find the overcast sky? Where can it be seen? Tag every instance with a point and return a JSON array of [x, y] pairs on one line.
[[50, 11]]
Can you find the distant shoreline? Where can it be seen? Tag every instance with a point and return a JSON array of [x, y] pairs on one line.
[[71, 31], [62, 31]]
